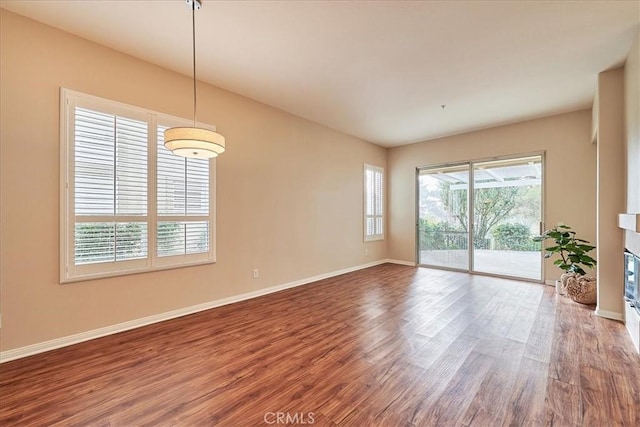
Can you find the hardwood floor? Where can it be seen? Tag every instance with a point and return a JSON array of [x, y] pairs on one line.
[[386, 346]]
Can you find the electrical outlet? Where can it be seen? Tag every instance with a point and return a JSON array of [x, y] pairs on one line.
[[366, 252], [256, 273]]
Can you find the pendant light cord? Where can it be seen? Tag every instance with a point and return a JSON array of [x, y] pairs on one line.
[[193, 27]]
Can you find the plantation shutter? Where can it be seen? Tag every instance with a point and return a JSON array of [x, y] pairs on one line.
[[373, 203], [183, 203], [110, 184]]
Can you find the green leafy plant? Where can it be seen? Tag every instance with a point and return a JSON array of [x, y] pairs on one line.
[[513, 237], [572, 251], [441, 235]]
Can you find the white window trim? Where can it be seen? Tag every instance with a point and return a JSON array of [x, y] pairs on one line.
[[374, 237], [69, 272]]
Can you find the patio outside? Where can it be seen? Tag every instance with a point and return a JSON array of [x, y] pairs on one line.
[[524, 264]]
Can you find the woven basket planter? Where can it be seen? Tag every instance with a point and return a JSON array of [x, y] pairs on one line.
[[581, 289]]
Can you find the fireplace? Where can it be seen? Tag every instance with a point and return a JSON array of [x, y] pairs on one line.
[[631, 224], [632, 279], [632, 296]]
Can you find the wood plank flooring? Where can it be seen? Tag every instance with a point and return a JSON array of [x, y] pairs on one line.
[[386, 346]]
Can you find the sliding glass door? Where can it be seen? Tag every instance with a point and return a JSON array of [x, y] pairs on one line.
[[443, 237], [490, 232], [507, 208]]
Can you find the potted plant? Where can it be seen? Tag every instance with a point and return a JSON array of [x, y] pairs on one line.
[[573, 261]]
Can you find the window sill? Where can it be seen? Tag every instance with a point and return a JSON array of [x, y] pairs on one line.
[[373, 239], [106, 275]]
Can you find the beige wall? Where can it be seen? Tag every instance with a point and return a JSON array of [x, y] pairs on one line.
[[632, 138], [566, 140], [289, 191], [610, 192]]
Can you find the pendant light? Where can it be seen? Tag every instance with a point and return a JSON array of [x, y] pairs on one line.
[[194, 141]]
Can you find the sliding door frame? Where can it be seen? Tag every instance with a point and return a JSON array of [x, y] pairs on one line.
[[470, 209]]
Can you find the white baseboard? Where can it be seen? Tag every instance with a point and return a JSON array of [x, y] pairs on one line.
[[32, 349], [609, 314], [400, 262]]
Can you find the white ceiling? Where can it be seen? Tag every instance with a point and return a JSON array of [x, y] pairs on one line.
[[378, 70]]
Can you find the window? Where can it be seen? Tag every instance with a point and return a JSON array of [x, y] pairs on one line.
[[373, 203], [128, 204]]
